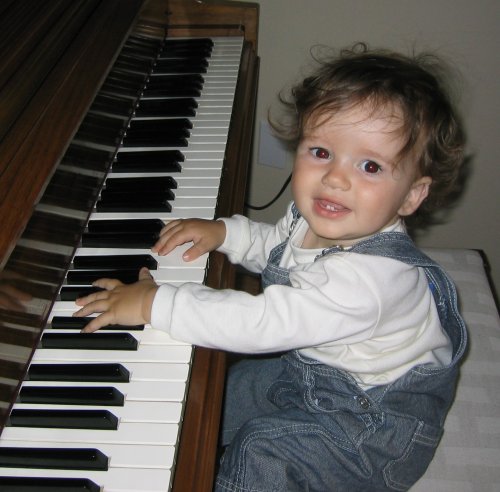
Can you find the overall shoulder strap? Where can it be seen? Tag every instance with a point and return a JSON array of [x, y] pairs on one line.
[[399, 246]]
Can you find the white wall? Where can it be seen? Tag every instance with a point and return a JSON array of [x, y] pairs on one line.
[[465, 32]]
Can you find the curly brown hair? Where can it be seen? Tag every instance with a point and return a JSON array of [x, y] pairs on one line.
[[432, 131]]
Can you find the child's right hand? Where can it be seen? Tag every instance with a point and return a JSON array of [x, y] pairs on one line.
[[207, 235]]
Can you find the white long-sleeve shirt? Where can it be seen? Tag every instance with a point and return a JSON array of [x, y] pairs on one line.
[[372, 316]]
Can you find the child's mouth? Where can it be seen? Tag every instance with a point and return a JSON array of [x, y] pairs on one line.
[[325, 205]]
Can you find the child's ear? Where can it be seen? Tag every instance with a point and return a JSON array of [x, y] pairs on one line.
[[417, 194]]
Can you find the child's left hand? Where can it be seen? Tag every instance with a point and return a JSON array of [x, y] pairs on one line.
[[119, 303]]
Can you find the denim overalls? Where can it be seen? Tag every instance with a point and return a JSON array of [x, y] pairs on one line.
[[295, 424]]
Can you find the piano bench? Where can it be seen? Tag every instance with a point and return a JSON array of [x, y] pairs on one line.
[[468, 457]]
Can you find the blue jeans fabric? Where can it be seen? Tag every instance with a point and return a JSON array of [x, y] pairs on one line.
[[294, 424]]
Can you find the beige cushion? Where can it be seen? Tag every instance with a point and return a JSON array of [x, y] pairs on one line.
[[468, 458]]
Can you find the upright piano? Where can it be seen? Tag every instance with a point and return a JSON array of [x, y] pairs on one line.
[[115, 116]]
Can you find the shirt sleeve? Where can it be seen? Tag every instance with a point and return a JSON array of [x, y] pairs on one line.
[[249, 243], [326, 304]]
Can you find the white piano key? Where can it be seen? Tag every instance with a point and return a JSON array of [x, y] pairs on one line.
[[209, 176], [112, 480], [120, 456], [195, 201], [203, 159], [192, 190], [146, 353], [176, 213], [127, 433]]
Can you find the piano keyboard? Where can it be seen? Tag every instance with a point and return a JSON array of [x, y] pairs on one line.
[[103, 412]]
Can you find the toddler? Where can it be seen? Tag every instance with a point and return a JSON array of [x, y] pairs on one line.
[[360, 329]]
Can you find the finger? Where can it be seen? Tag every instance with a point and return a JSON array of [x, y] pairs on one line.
[[194, 252], [165, 236], [145, 274], [107, 283], [98, 306], [98, 322], [169, 241], [96, 296], [170, 224]]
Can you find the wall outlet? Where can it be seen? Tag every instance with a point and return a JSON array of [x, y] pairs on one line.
[[272, 151]]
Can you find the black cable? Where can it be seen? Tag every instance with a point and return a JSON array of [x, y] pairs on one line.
[[283, 188]]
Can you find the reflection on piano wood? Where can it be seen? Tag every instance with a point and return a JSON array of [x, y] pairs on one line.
[[108, 128]]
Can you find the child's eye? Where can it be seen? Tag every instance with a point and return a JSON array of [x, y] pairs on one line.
[[371, 167], [320, 153]]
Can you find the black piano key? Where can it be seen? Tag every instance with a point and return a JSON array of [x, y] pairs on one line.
[[172, 44], [88, 277], [146, 184], [63, 419], [77, 323], [73, 293], [109, 262], [53, 458], [74, 395], [96, 372], [155, 161], [181, 66], [89, 341], [176, 107], [134, 202], [130, 240], [43, 484], [114, 226], [153, 140], [174, 85], [161, 91], [171, 125]]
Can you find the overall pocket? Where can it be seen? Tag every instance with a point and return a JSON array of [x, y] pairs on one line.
[[402, 473]]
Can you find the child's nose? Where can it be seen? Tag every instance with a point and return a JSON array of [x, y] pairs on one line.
[[337, 177]]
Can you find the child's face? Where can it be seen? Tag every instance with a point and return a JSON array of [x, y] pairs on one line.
[[344, 181]]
